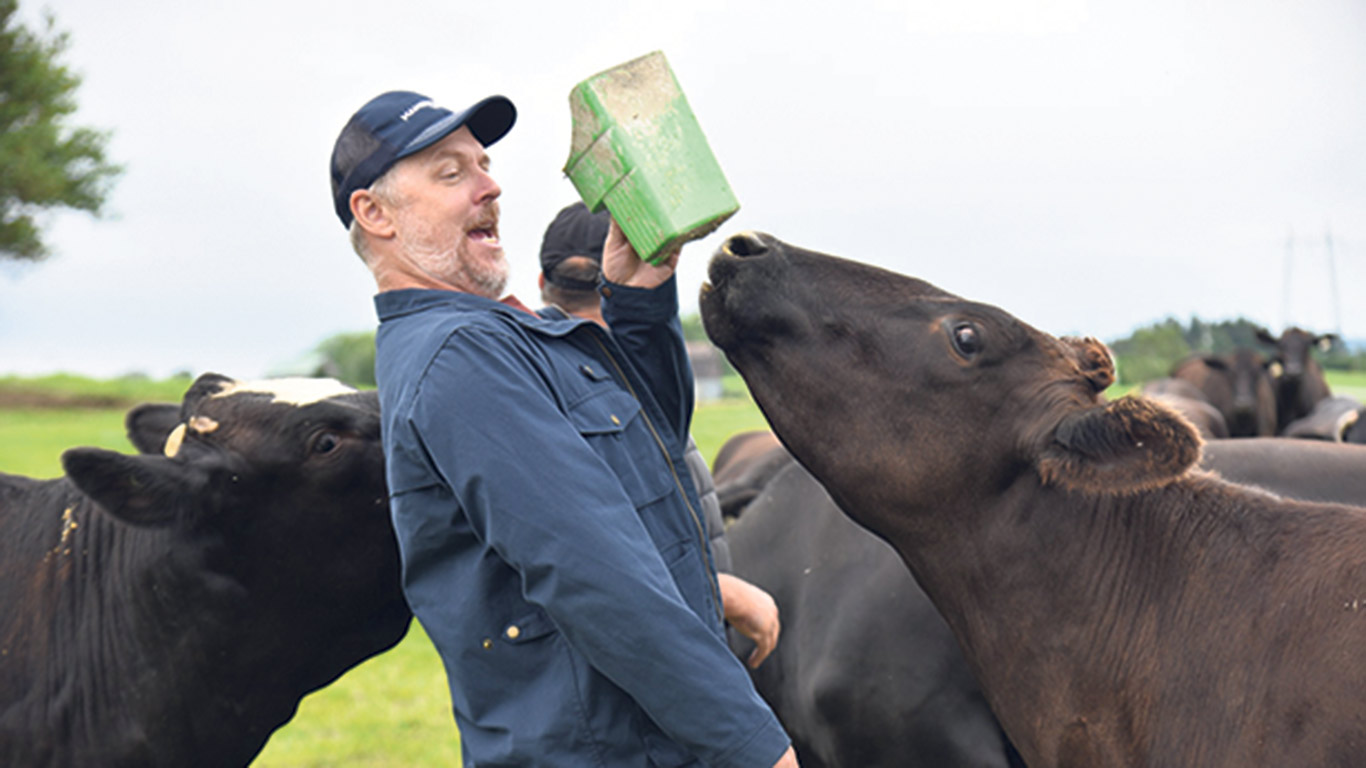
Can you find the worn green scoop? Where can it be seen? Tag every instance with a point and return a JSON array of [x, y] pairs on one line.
[[638, 150]]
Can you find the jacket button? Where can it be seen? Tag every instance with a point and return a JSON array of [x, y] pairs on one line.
[[607, 291], [615, 420], [513, 632], [487, 643]]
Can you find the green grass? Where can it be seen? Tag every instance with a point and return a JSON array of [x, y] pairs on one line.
[[1349, 383], [32, 441], [118, 392], [392, 710]]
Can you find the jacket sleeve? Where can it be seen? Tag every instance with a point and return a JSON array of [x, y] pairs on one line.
[[538, 494], [646, 326]]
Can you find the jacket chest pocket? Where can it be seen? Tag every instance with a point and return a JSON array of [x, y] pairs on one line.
[[615, 427]]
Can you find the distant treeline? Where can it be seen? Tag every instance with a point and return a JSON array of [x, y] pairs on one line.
[[1149, 352]]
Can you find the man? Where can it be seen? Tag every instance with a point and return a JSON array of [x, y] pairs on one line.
[[570, 254], [551, 544]]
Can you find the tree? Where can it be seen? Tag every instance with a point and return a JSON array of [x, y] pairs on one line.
[[43, 163], [348, 357]]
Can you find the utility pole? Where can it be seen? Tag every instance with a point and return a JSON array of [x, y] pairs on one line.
[[1333, 281], [1287, 270]]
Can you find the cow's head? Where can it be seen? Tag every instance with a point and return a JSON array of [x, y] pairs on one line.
[[277, 487], [1294, 348], [914, 396]]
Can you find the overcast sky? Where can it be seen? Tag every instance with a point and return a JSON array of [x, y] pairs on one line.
[[1088, 166]]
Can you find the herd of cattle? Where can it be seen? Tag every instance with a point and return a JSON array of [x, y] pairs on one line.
[[1248, 394], [980, 561]]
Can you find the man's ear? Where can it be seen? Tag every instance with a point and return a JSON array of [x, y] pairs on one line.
[[371, 214], [1128, 445]]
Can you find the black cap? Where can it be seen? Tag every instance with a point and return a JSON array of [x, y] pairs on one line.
[[574, 232], [396, 124]]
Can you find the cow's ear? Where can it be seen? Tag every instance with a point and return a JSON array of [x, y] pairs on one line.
[[142, 490], [149, 424], [1216, 362], [1130, 444], [1094, 361], [1265, 337]]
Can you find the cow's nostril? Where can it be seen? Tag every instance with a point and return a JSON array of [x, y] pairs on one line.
[[746, 244]]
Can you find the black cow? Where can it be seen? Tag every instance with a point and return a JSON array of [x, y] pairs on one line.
[[1333, 419], [1239, 385], [744, 465], [1118, 607], [1299, 380], [866, 673], [1309, 470], [172, 610], [1188, 400]]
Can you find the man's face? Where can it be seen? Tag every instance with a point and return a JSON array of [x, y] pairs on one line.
[[446, 215]]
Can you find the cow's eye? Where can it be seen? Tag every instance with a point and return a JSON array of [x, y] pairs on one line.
[[966, 340], [326, 442]]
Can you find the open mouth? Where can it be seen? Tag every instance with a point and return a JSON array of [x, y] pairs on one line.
[[488, 235]]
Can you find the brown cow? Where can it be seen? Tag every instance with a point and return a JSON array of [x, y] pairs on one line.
[[1239, 385], [1118, 607], [1186, 399], [1298, 378]]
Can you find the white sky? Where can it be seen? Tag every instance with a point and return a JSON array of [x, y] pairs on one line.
[[1088, 166]]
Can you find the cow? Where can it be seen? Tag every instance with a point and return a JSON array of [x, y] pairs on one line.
[[172, 609], [1333, 418], [743, 466], [1239, 385], [1118, 606], [1298, 379], [1309, 470], [1188, 400], [866, 673]]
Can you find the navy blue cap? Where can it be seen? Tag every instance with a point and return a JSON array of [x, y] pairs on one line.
[[574, 232], [396, 124]]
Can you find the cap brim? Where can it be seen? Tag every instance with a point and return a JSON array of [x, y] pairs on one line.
[[489, 120]]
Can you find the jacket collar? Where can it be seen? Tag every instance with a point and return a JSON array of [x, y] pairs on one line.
[[549, 321]]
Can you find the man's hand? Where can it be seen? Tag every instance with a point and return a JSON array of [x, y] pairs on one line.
[[751, 611], [621, 264], [788, 760]]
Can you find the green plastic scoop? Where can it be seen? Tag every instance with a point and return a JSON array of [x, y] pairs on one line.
[[638, 150]]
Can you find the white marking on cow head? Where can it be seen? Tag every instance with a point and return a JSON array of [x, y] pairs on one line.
[[296, 391], [173, 441]]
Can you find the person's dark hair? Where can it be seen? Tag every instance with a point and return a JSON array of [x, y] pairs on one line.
[[576, 271], [576, 234]]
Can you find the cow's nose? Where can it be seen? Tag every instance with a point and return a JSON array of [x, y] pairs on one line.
[[745, 244]]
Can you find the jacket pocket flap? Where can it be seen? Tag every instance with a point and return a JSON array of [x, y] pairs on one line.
[[604, 414], [528, 628]]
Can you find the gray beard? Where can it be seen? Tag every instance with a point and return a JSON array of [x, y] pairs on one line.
[[449, 265]]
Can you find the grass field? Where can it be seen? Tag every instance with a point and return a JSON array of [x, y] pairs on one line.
[[392, 710]]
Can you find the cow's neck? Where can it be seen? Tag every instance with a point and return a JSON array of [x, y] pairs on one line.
[[1061, 600], [157, 635]]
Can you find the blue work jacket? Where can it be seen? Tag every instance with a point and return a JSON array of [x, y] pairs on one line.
[[552, 543]]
